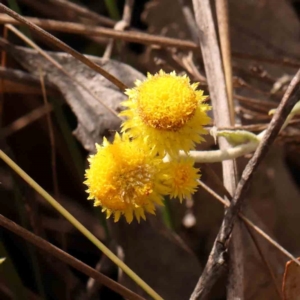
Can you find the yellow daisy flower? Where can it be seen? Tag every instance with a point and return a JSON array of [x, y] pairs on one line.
[[124, 178], [167, 112], [182, 178]]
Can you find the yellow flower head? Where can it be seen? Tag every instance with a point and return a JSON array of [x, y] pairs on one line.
[[167, 112], [182, 178], [124, 178]]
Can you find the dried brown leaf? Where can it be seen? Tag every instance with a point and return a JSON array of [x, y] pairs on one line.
[[291, 281], [94, 120]]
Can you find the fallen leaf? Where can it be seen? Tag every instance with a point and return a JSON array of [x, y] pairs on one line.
[[94, 120], [291, 281]]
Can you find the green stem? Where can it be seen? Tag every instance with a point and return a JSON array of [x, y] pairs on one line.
[[79, 226], [220, 155], [235, 152]]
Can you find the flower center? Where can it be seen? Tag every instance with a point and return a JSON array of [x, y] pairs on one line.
[[166, 102], [135, 185], [181, 176]]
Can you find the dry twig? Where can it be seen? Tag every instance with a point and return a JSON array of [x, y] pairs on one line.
[[222, 114]]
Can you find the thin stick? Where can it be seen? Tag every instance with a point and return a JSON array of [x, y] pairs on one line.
[[130, 36], [235, 287], [64, 47], [222, 117], [67, 258]]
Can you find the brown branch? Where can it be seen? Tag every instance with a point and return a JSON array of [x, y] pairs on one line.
[[130, 36], [67, 258], [223, 117], [212, 63], [214, 74], [64, 47], [217, 258]]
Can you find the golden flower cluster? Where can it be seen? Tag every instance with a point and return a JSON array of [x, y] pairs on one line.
[[165, 114]]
